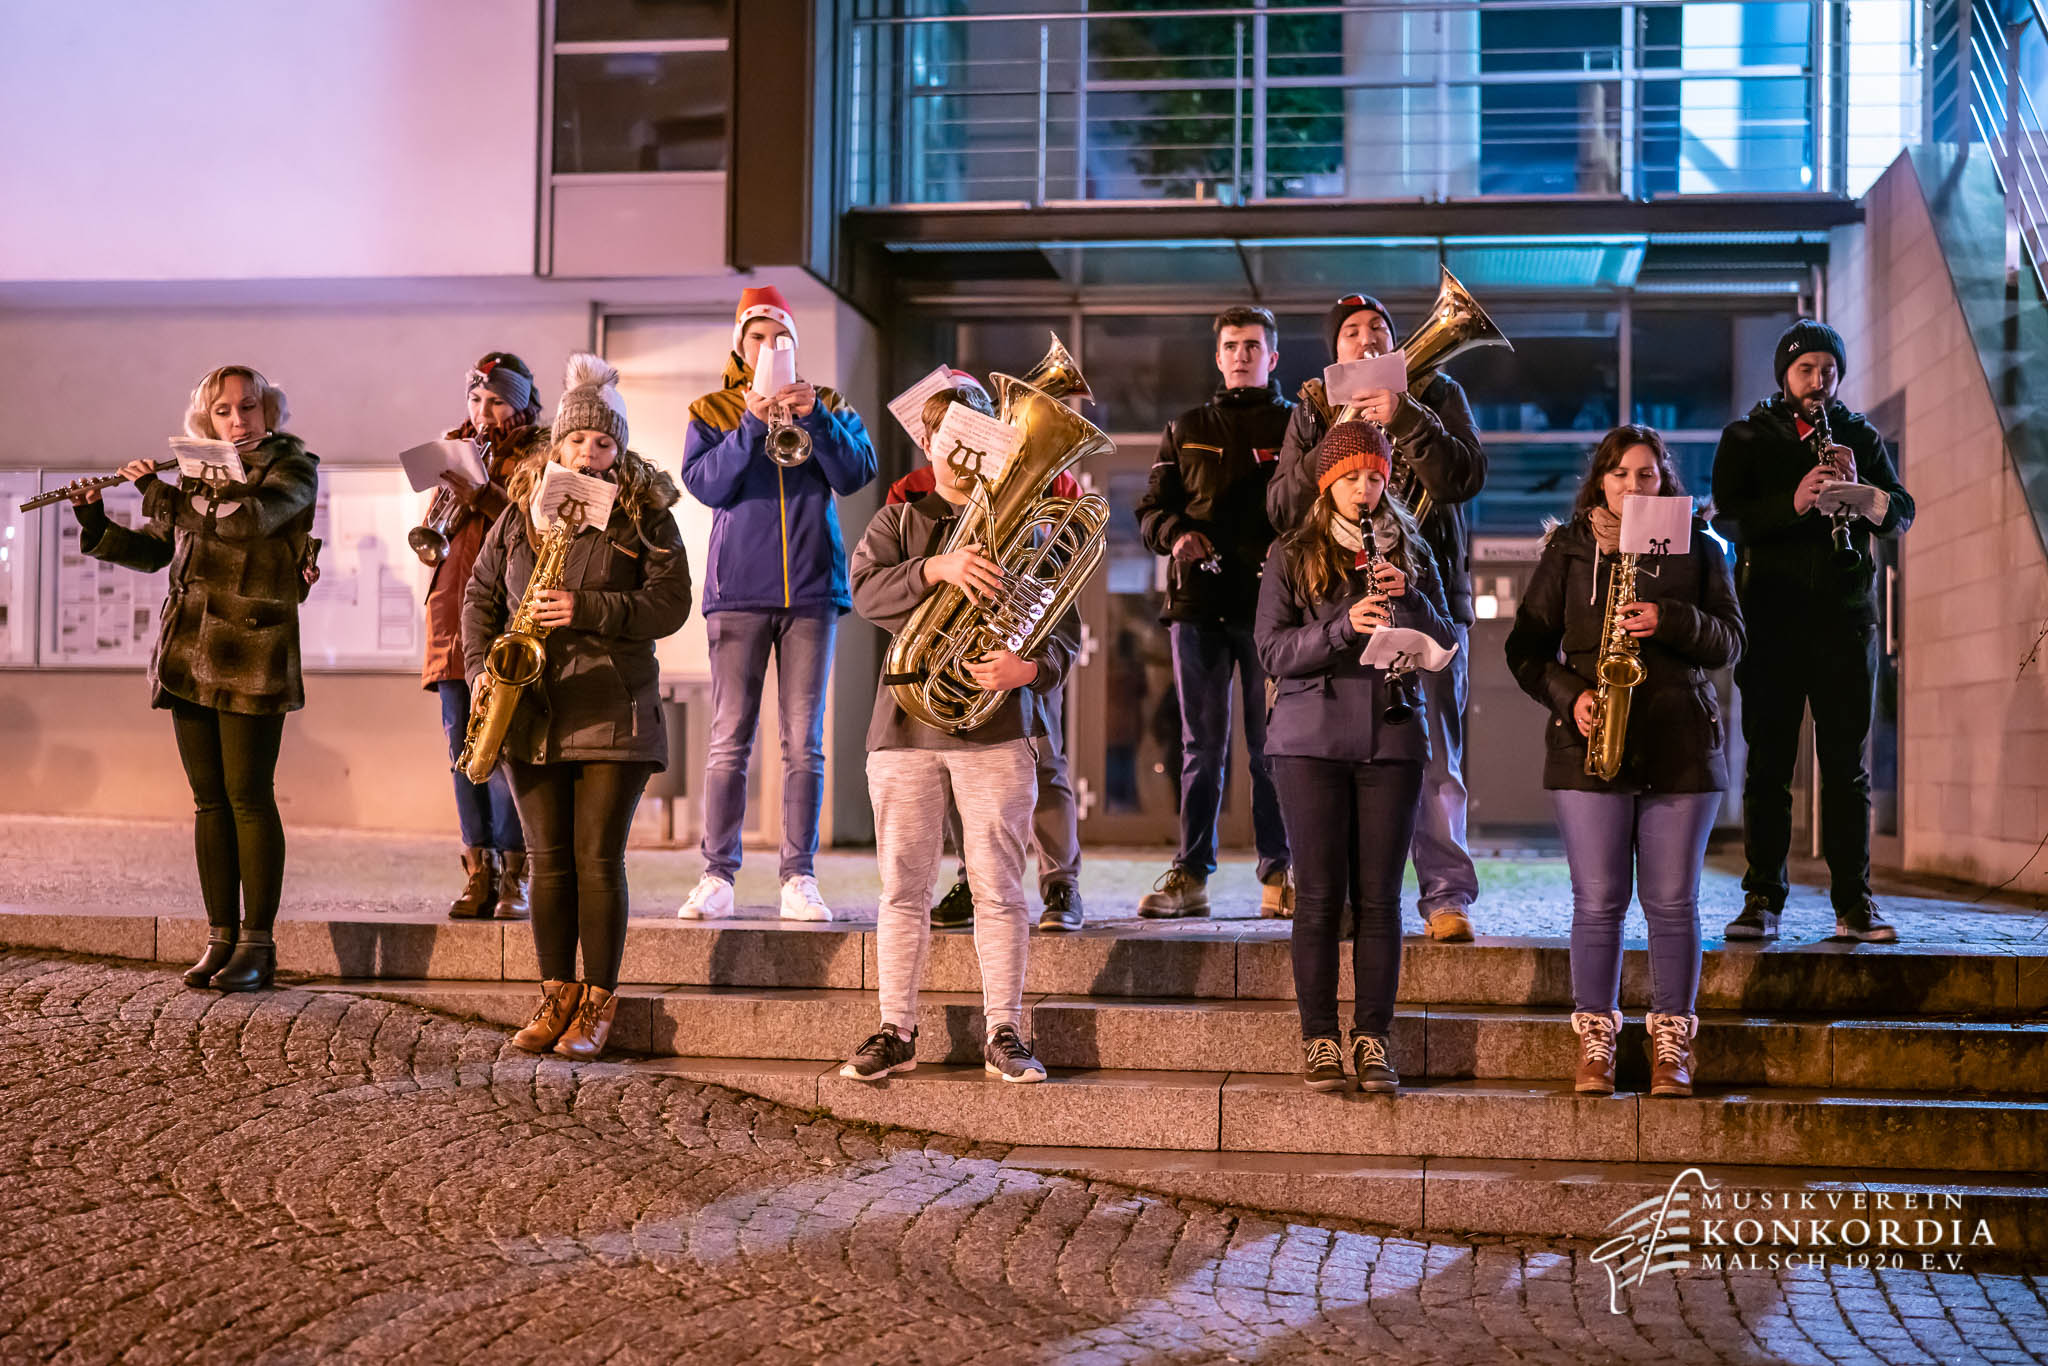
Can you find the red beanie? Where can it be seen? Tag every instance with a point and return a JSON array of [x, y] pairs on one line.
[[764, 302], [1349, 448]]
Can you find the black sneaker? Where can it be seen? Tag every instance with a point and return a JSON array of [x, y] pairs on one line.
[[955, 908], [1005, 1055], [1062, 908], [1178, 893], [1369, 1060], [884, 1052], [1865, 924], [1759, 919], [1323, 1067]]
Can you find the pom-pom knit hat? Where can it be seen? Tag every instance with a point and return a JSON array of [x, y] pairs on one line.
[[1349, 448], [590, 400]]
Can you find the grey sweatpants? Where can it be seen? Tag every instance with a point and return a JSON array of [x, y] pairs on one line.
[[994, 788]]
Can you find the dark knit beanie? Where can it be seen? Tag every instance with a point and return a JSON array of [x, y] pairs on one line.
[[1333, 322], [1802, 337], [1349, 448]]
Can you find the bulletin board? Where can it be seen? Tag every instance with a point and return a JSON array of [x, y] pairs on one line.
[[18, 576], [366, 611], [95, 615]]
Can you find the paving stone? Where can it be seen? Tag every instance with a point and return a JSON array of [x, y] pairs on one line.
[[507, 1004], [1429, 1119], [1110, 1109], [1373, 1190]]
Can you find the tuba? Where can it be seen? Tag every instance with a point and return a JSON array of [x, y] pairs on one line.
[[1619, 668], [1047, 547], [1456, 324], [517, 658]]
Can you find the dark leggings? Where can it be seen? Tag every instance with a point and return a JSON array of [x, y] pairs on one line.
[[576, 817], [231, 762], [1348, 827]]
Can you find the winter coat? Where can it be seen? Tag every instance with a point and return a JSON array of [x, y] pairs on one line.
[[1785, 571], [229, 634], [599, 697], [449, 583], [775, 542], [888, 585], [925, 479], [1434, 434], [1675, 737], [1326, 705], [1214, 464]]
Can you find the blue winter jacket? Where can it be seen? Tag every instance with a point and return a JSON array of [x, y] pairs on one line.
[[775, 541]]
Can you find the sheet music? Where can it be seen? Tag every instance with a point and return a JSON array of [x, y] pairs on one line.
[[562, 487], [211, 462], [908, 407], [1403, 647], [425, 463], [774, 367], [974, 441], [1345, 382], [1860, 500], [1656, 525]]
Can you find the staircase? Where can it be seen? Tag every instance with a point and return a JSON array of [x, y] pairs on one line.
[[1832, 1068]]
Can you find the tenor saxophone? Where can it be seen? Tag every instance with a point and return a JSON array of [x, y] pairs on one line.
[[517, 657], [1618, 670]]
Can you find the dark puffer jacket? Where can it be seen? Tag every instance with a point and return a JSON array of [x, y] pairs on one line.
[[1675, 740], [229, 637], [1210, 476], [600, 695]]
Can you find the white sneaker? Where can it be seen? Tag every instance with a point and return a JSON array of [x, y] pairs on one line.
[[710, 899], [800, 899]]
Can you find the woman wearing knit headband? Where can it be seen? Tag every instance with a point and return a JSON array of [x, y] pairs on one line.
[[587, 737], [1349, 781]]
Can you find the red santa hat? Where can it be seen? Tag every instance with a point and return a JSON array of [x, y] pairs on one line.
[[963, 380], [764, 302]]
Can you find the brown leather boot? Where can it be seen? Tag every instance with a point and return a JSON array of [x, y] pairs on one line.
[[480, 894], [586, 1035], [512, 904], [1597, 1032], [558, 1002], [1671, 1053]]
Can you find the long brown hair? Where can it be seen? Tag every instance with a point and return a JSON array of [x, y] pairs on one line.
[[1317, 564], [1607, 455]]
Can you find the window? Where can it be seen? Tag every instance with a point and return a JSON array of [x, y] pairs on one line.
[[614, 21], [639, 86]]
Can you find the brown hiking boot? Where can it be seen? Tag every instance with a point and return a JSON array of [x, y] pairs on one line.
[[585, 1037], [558, 1002], [1597, 1032], [1276, 896], [480, 894], [1178, 893], [1671, 1053], [1449, 925], [512, 903]]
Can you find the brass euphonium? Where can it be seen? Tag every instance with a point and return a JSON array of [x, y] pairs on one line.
[[1618, 669], [517, 658], [1456, 324], [1047, 547]]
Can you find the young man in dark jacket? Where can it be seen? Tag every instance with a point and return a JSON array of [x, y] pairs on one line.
[[1812, 624], [1434, 437], [1205, 509], [776, 583]]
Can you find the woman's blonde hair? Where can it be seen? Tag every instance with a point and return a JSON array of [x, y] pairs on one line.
[[199, 415], [1317, 563], [643, 488]]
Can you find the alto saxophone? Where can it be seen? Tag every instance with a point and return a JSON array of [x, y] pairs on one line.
[[517, 657], [1619, 669]]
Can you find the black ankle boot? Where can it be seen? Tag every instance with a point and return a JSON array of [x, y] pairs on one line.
[[220, 946], [252, 967]]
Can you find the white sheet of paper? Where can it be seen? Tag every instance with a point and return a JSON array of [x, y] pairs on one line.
[[1656, 525], [1345, 382], [211, 462], [560, 485], [774, 367], [1404, 647], [425, 463], [980, 441], [1862, 500], [908, 407]]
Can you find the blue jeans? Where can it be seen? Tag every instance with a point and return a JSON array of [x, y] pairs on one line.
[[1659, 843], [1443, 868], [1203, 658], [485, 811], [740, 645]]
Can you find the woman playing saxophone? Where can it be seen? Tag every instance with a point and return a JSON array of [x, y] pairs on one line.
[[586, 734], [1647, 825]]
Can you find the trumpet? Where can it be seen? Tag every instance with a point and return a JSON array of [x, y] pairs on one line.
[[788, 444], [429, 540], [87, 485]]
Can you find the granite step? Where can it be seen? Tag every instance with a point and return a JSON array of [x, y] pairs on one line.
[[1585, 1199], [1194, 1035], [1245, 960]]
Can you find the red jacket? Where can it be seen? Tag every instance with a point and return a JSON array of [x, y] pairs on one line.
[[443, 660], [924, 479]]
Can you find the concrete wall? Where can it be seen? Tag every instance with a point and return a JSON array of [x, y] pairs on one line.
[[1974, 733]]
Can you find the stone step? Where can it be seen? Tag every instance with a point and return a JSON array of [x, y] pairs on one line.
[[1144, 1034], [1247, 960], [1586, 1199]]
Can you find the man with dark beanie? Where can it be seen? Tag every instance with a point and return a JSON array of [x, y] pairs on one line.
[[1812, 623], [1434, 439], [1205, 509]]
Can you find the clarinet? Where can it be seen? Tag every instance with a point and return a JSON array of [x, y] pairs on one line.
[[1402, 694], [1845, 555]]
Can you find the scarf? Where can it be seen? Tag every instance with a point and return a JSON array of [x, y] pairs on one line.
[[1386, 534], [1606, 529]]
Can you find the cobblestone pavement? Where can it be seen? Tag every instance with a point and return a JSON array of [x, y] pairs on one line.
[[48, 863], [185, 1177]]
